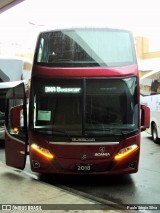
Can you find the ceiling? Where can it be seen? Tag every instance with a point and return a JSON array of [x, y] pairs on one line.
[[7, 4]]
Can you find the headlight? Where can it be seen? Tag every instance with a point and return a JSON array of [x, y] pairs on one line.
[[125, 151], [42, 151]]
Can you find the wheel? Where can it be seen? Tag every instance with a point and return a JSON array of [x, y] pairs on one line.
[[155, 134]]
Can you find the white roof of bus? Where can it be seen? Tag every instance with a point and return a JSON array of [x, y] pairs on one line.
[[149, 74], [7, 85], [16, 58]]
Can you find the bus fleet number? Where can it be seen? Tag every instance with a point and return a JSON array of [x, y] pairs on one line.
[[83, 167]]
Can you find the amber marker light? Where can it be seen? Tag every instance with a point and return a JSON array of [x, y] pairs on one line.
[[126, 151], [15, 130], [42, 151]]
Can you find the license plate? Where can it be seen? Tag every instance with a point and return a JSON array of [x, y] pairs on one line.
[[84, 167]]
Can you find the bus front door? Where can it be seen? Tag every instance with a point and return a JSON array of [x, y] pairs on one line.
[[16, 127]]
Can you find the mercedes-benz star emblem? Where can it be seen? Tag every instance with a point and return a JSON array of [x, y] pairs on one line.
[[102, 149], [84, 157]]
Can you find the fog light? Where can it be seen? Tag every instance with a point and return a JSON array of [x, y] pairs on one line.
[[132, 165], [42, 151], [126, 151]]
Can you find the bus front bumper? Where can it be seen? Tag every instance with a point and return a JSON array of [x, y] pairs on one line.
[[110, 166]]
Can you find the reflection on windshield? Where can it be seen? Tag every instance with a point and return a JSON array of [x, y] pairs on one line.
[[73, 107], [85, 47]]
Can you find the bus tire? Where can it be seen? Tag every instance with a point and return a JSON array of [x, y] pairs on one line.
[[155, 134]]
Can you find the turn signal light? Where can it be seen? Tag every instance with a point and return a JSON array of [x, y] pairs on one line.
[[126, 151], [15, 130], [42, 151]]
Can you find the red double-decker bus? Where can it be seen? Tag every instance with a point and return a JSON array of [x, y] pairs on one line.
[[84, 110]]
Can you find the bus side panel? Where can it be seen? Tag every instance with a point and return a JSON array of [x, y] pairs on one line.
[[153, 101]]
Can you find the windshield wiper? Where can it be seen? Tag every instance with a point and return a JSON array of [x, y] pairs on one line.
[[61, 131], [119, 131], [124, 133], [42, 128], [111, 131]]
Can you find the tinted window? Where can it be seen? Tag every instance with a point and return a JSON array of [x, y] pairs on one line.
[[85, 106], [87, 48]]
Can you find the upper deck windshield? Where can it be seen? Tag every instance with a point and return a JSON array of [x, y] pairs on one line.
[[79, 107], [85, 48]]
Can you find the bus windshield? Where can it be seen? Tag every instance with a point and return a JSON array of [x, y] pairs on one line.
[[86, 106], [85, 48]]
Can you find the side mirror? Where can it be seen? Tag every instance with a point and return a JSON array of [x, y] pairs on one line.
[[145, 117], [15, 116]]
